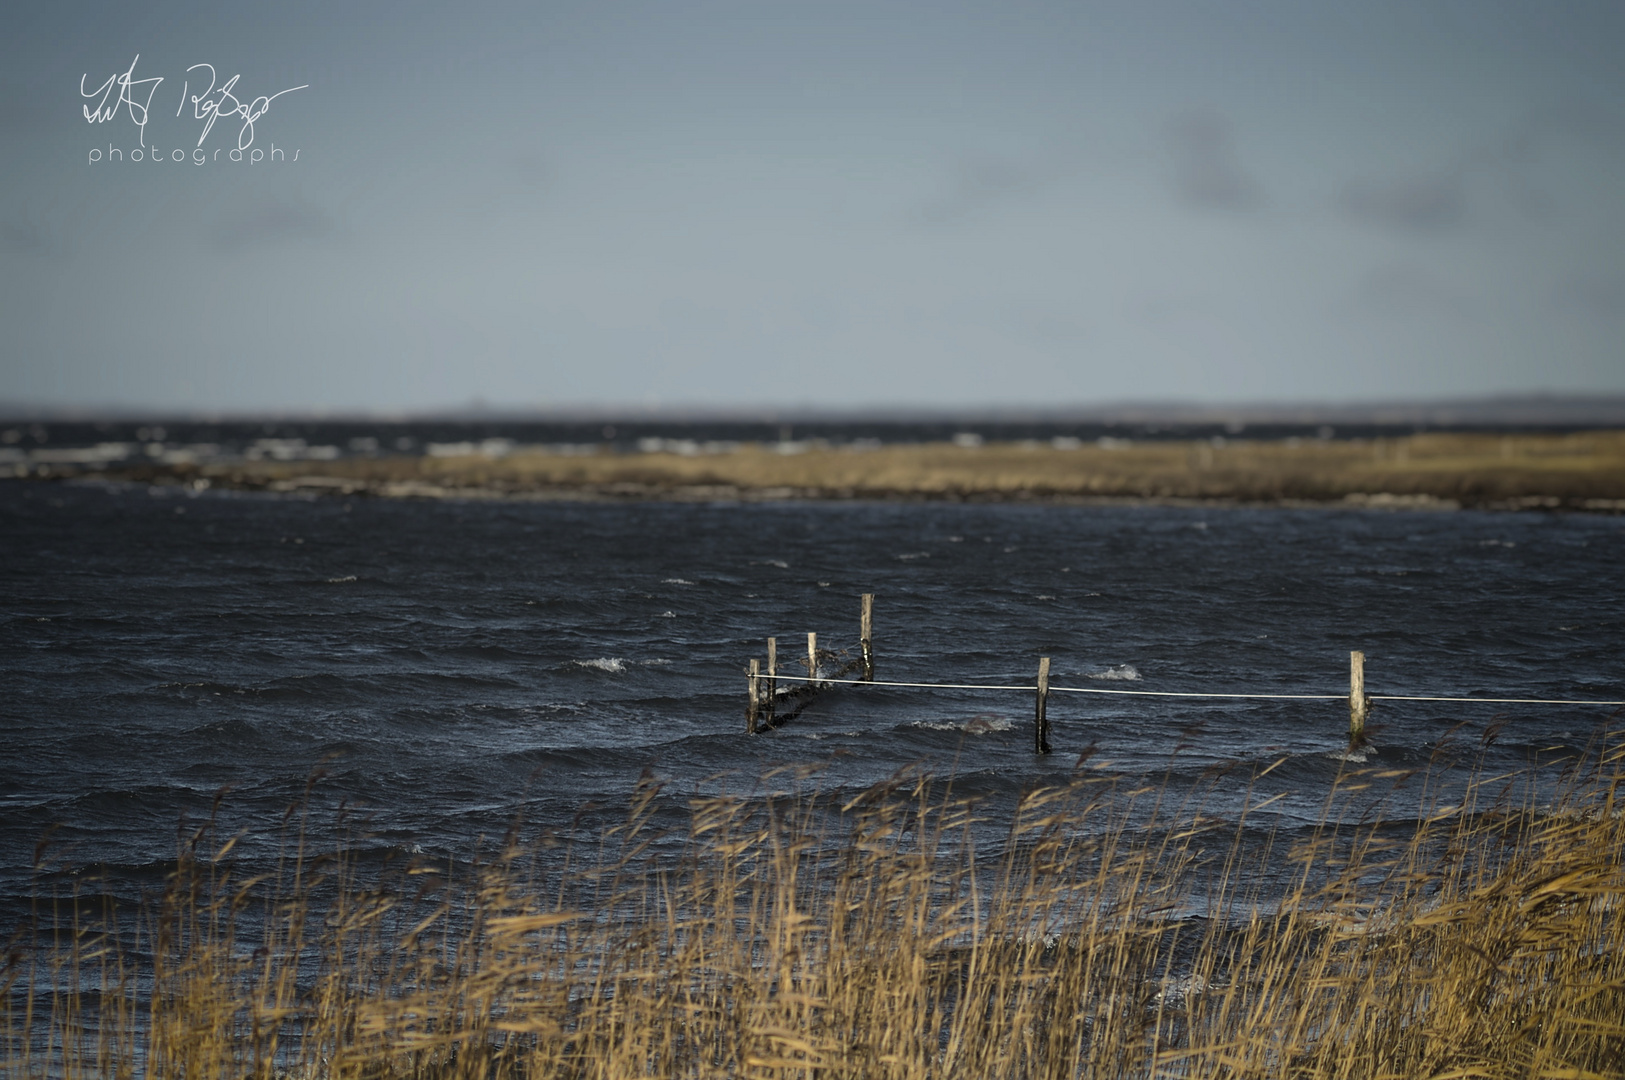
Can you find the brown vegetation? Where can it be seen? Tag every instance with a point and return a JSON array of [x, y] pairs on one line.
[[1579, 471], [802, 938]]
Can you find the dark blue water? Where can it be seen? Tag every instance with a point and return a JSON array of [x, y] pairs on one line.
[[456, 665]]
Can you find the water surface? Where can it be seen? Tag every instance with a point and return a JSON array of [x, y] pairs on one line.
[[454, 666]]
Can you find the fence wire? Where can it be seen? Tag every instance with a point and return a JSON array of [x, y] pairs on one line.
[[1033, 688]]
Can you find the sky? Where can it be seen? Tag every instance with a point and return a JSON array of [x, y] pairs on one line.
[[791, 205]]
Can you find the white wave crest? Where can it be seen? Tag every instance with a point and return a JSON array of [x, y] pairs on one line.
[[604, 663], [674, 581], [1120, 673], [976, 725], [340, 580]]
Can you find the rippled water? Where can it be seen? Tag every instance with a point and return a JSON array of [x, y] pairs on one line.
[[456, 665]]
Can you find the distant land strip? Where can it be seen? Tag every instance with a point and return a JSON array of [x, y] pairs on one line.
[[1575, 471]]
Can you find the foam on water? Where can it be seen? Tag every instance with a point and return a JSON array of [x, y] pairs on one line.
[[986, 724]]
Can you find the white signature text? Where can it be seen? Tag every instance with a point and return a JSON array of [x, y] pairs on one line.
[[126, 92]]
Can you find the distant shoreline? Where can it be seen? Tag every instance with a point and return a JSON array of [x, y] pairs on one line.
[[1580, 472]]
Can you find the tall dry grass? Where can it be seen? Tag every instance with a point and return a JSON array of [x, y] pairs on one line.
[[1111, 932], [1583, 470]]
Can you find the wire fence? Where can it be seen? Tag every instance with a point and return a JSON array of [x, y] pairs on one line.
[[1028, 688], [767, 688]]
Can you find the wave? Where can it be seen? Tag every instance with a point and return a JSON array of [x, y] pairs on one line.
[[982, 724], [1120, 673], [604, 663]]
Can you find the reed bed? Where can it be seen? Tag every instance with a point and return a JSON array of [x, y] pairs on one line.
[[1105, 931], [1583, 470]]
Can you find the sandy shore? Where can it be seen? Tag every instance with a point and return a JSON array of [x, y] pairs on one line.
[[1584, 471]]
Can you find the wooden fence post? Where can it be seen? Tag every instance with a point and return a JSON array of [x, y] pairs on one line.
[[1359, 704], [865, 639], [1041, 721], [812, 660], [772, 677], [755, 696]]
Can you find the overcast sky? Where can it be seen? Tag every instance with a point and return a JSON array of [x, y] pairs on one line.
[[739, 204]]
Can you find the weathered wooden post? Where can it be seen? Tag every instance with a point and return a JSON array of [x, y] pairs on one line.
[[1041, 721], [865, 629], [812, 660], [772, 677], [755, 696], [1359, 704]]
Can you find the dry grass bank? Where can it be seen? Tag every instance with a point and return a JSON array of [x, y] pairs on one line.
[[1579, 471], [800, 939]]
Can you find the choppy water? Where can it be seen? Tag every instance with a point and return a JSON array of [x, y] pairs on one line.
[[457, 664]]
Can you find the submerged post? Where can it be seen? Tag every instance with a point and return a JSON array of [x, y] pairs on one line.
[[1041, 721], [1359, 704], [812, 660], [772, 676], [865, 629], [755, 696]]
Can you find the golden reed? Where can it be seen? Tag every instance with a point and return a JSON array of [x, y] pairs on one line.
[[1116, 932]]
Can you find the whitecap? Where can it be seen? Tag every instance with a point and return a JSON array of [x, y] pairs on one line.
[[1120, 673], [912, 555], [340, 580], [667, 615], [984, 724], [674, 581], [604, 663], [1175, 991]]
